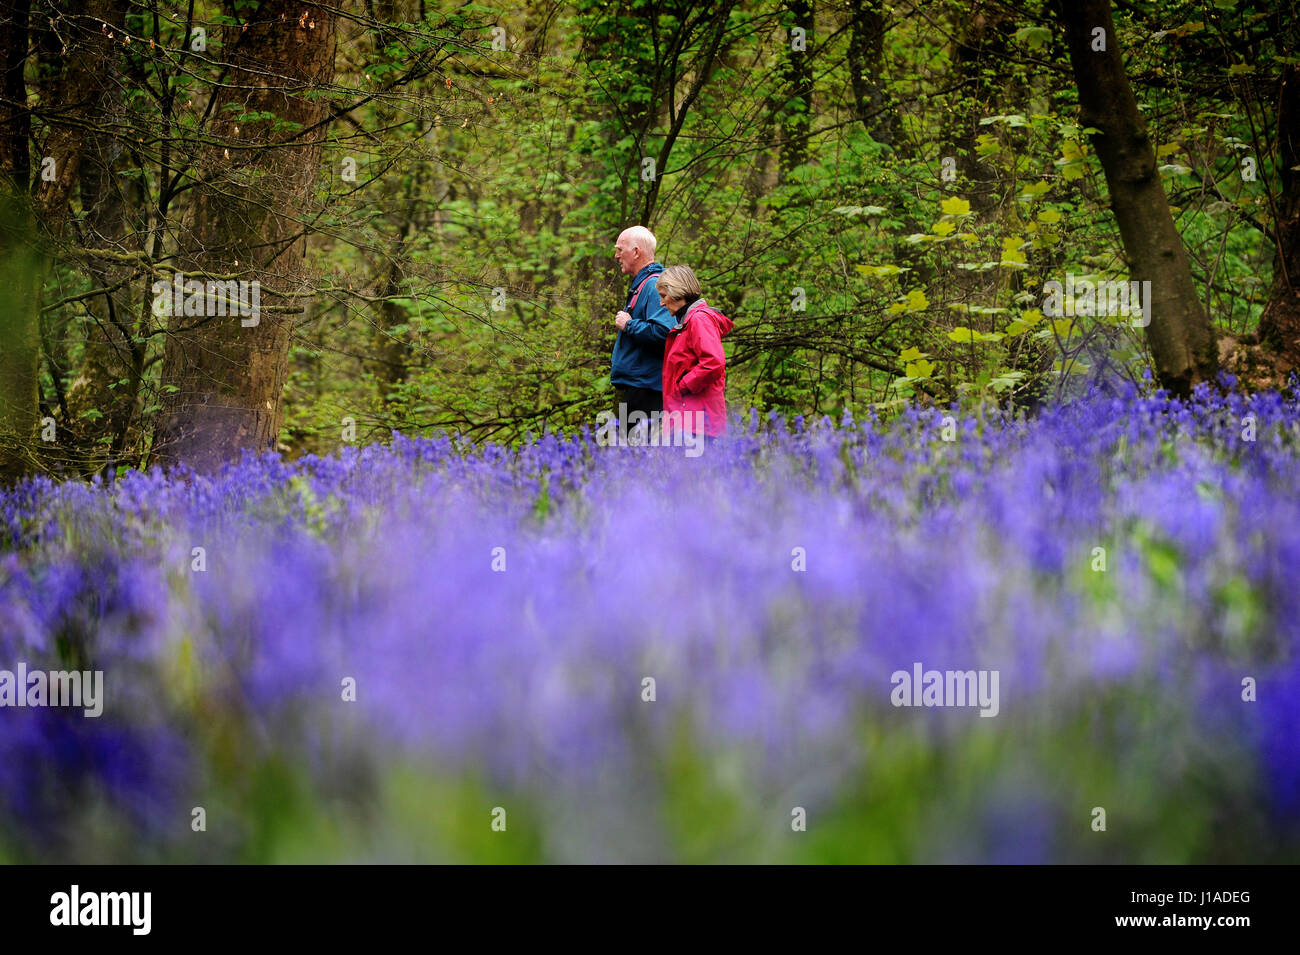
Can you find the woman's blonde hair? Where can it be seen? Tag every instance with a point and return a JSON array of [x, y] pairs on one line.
[[679, 282]]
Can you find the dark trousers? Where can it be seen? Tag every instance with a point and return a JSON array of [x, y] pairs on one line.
[[649, 400]]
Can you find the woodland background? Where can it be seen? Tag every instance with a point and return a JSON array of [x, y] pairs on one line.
[[429, 195]]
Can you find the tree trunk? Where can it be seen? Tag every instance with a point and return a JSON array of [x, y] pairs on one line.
[[981, 63], [33, 228], [391, 355], [798, 74], [1279, 326], [874, 106], [392, 352], [1180, 335], [15, 120], [112, 208], [223, 381], [20, 356]]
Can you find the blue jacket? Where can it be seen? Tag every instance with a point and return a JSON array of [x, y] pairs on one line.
[[639, 349]]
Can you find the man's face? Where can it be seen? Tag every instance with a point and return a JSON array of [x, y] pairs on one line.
[[627, 256]]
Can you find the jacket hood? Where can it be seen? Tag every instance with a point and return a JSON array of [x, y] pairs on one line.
[[700, 308]]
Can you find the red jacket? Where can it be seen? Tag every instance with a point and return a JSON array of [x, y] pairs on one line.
[[695, 377]]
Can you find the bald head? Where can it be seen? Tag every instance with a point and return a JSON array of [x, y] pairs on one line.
[[635, 249]]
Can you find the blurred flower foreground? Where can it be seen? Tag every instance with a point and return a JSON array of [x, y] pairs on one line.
[[565, 652]]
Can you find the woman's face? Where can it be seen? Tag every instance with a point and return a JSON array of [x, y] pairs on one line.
[[672, 304]]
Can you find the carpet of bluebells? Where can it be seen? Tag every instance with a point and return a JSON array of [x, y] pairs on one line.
[[497, 611]]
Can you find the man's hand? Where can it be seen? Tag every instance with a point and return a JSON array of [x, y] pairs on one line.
[[622, 320]]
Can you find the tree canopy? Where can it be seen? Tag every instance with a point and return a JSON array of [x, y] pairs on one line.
[[425, 196]]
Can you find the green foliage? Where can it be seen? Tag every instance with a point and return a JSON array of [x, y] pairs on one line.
[[463, 280]]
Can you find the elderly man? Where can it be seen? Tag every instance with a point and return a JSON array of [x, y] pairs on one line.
[[637, 366]]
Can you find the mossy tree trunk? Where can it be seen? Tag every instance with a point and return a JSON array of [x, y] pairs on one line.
[[223, 381], [1279, 326], [1180, 335]]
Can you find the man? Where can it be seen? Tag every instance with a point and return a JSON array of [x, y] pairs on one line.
[[637, 366]]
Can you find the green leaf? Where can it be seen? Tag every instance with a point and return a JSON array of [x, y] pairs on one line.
[[955, 206], [1027, 320], [1012, 255], [881, 271], [1163, 563], [1071, 161], [1036, 190], [915, 302], [1034, 37], [977, 309], [1007, 379], [1012, 119]]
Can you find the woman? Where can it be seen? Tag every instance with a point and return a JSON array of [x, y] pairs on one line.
[[695, 376]]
